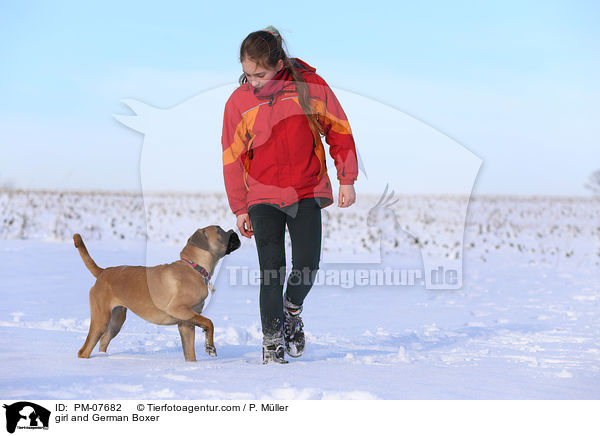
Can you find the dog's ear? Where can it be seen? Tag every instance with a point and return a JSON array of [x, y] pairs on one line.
[[199, 239]]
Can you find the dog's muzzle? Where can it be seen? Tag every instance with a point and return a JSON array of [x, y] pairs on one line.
[[234, 242]]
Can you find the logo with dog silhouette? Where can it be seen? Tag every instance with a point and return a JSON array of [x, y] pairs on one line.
[[26, 415]]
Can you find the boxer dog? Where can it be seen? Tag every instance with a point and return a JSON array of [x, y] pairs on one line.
[[165, 294]]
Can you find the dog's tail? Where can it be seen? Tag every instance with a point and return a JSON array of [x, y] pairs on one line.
[[87, 259]]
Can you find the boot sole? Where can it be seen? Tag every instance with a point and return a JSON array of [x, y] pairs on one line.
[[293, 355], [281, 362]]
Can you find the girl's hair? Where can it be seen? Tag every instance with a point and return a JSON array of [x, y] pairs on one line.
[[265, 47]]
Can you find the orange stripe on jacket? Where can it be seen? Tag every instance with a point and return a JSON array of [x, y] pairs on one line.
[[331, 121], [240, 138]]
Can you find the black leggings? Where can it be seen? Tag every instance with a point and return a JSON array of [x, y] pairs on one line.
[[268, 223]]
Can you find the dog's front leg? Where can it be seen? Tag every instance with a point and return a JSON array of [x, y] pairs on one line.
[[208, 328], [188, 336], [191, 317]]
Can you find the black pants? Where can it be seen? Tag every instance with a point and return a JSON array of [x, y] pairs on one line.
[[268, 222]]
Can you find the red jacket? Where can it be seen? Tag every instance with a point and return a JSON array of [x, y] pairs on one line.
[[270, 154]]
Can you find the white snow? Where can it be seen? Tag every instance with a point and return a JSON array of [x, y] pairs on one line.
[[524, 325]]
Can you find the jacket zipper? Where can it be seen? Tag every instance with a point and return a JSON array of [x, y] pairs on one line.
[[247, 164]]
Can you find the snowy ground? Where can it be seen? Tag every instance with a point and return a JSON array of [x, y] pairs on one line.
[[525, 324]]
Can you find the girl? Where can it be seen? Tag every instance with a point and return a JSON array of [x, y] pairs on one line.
[[275, 175]]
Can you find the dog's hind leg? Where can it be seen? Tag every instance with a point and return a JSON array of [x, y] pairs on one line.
[[188, 336], [117, 318], [100, 317]]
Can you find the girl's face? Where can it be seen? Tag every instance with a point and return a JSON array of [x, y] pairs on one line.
[[258, 75]]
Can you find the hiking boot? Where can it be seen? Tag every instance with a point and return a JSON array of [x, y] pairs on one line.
[[273, 353], [292, 330]]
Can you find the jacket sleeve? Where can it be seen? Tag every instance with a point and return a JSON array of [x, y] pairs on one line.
[[234, 143], [337, 133]]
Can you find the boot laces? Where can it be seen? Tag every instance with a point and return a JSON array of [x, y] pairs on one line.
[[293, 324]]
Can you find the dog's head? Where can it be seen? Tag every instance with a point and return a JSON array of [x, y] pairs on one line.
[[215, 240]]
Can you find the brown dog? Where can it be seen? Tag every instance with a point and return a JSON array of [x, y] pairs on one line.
[[165, 294]]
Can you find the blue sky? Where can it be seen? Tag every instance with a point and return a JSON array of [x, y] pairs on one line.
[[514, 82]]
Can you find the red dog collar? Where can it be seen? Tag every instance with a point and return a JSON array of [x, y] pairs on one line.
[[198, 268]]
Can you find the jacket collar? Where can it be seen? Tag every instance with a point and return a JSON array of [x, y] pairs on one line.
[[276, 84], [281, 79]]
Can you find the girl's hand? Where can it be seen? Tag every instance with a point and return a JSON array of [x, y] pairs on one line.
[[244, 225], [347, 196]]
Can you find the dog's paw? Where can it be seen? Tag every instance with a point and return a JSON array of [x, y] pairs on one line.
[[211, 350]]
